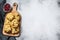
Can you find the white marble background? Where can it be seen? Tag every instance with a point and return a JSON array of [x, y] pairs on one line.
[[40, 19]]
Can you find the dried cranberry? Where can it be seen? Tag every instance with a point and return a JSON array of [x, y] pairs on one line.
[[7, 7]]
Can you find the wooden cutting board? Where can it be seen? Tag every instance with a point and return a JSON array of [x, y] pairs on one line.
[[12, 23]]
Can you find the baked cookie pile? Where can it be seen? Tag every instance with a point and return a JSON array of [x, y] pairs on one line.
[[12, 23]]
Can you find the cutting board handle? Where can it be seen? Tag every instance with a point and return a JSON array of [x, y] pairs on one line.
[[14, 9]]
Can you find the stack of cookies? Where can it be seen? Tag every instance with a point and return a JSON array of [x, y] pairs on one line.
[[12, 22]]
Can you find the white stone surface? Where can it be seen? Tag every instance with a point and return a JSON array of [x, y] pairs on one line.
[[40, 19]]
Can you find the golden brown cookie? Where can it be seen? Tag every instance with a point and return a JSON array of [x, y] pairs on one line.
[[7, 28]]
